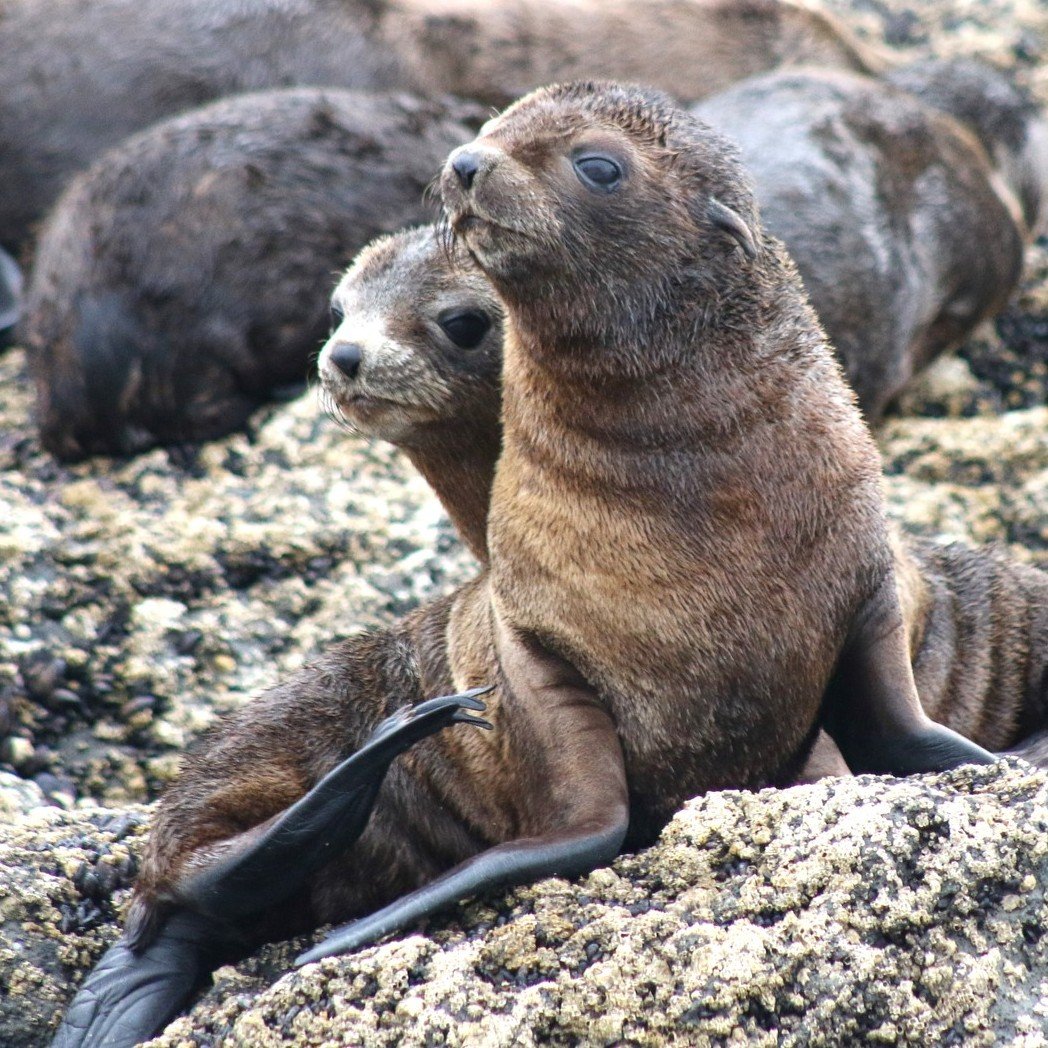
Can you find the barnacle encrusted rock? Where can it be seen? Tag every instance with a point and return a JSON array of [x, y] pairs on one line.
[[863, 911]]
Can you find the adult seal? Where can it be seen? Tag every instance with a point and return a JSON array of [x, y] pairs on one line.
[[879, 197], [179, 283]]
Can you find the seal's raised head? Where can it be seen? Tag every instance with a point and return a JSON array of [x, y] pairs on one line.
[[416, 340], [574, 190]]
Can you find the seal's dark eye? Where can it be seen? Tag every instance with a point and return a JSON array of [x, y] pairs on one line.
[[598, 172], [465, 328], [337, 316]]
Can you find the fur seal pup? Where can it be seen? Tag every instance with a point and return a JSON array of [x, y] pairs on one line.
[[177, 283], [415, 359], [79, 78], [976, 619], [879, 198]]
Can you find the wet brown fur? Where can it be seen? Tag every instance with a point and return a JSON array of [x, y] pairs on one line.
[[879, 199], [79, 78]]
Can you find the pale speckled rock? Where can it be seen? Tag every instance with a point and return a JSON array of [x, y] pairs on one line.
[[871, 910], [975, 480], [143, 598]]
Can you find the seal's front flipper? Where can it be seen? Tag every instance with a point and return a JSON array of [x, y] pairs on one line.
[[130, 997], [871, 707], [268, 864]]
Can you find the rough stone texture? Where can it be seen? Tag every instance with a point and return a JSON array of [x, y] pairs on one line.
[[863, 911], [141, 599]]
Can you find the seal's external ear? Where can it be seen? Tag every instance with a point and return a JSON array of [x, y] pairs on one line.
[[732, 223]]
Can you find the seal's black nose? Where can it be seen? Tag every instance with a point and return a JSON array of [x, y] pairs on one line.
[[466, 164], [346, 356]]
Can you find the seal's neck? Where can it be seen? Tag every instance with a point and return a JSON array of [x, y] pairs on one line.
[[458, 463]]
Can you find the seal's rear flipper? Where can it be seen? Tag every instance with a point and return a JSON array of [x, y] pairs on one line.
[[269, 863], [10, 298], [130, 997], [579, 810]]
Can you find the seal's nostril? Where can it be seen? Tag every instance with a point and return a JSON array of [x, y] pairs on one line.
[[346, 356], [466, 165]]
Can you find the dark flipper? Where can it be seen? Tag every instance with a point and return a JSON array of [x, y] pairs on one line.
[[134, 993], [872, 710], [580, 808], [10, 298], [326, 821], [565, 855], [130, 997]]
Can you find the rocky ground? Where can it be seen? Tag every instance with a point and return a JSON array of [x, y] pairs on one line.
[[142, 599]]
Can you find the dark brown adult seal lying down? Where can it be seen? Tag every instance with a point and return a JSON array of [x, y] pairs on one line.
[[880, 198], [176, 283], [663, 615], [79, 78]]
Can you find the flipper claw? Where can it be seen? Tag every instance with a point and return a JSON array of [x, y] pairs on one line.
[[480, 722]]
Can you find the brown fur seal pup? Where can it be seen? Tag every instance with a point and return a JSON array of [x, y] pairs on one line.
[[176, 284], [879, 199], [78, 78], [687, 507], [977, 620]]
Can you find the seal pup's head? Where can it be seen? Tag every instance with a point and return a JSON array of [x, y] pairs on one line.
[[416, 341], [606, 209]]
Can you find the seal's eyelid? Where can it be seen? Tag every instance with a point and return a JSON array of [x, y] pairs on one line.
[[732, 223], [337, 315]]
